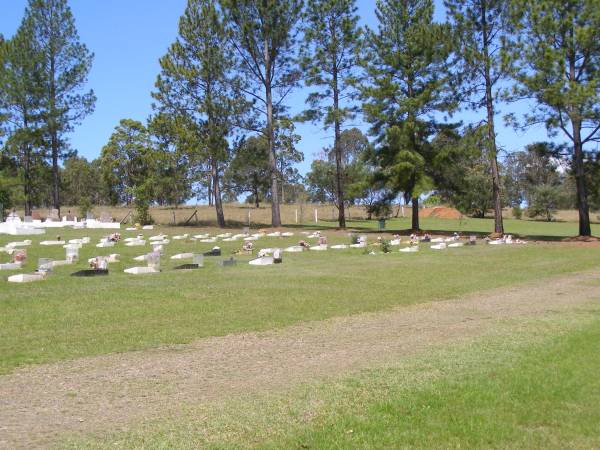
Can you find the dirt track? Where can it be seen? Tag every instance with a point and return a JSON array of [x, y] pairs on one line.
[[40, 404]]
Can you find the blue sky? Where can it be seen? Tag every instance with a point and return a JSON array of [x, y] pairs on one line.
[[129, 36]]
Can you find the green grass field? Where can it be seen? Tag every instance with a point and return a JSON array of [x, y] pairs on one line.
[[494, 401], [533, 387], [66, 317]]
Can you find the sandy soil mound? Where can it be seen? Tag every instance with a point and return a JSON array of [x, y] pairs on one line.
[[441, 212]]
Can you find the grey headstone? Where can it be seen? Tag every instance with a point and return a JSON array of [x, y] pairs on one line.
[[228, 262], [154, 260], [44, 265], [198, 259], [53, 215]]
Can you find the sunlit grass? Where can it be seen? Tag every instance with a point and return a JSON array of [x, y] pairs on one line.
[[66, 317], [530, 383]]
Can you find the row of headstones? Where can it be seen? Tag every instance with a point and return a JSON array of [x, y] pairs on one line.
[[53, 216]]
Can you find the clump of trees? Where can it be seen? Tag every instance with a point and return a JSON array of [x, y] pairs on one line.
[[221, 126]]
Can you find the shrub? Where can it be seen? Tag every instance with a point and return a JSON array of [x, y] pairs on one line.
[[517, 212], [85, 206], [385, 246], [380, 210], [141, 201], [544, 202]]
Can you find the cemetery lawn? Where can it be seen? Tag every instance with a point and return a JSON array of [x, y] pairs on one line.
[[67, 318], [534, 384], [531, 229]]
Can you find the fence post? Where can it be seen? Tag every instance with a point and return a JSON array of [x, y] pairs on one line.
[[316, 216]]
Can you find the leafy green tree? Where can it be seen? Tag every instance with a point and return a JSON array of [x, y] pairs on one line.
[[320, 182], [558, 51], [406, 68], [544, 202], [197, 84], [10, 184], [105, 194], [178, 170], [356, 173], [78, 181], [526, 170], [287, 155], [249, 171], [128, 162], [20, 106], [66, 63], [263, 35], [460, 169], [329, 57], [480, 27]]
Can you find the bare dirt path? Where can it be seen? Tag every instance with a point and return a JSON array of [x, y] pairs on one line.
[[40, 404]]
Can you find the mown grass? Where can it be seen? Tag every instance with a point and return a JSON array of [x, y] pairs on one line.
[[66, 317], [529, 383], [548, 397], [526, 228]]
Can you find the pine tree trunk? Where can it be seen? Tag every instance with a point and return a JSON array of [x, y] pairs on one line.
[[415, 214], [578, 168], [53, 129], [55, 173], [491, 133], [217, 195], [275, 212], [337, 148], [27, 178], [583, 208]]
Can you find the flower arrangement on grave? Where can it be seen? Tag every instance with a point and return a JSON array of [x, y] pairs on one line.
[[115, 237], [304, 244], [20, 256]]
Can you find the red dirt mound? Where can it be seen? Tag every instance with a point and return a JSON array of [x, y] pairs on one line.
[[441, 212]]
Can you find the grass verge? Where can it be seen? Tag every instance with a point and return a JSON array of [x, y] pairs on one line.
[[527, 384]]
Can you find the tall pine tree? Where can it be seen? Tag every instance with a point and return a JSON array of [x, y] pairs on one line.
[[66, 64], [559, 66], [196, 87], [406, 69], [479, 26], [329, 61], [263, 34], [21, 105]]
